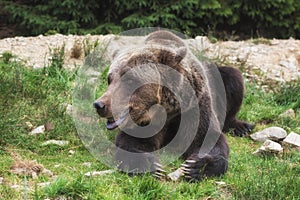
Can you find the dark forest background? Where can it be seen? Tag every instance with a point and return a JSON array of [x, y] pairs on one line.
[[224, 19]]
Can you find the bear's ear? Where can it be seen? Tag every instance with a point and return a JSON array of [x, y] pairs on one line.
[[172, 58], [180, 54]]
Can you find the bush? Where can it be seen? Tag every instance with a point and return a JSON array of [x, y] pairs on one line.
[[256, 18]]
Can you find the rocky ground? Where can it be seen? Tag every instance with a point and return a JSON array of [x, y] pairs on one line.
[[273, 59]]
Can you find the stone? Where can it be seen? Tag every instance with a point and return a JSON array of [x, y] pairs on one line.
[[175, 176], [290, 113], [220, 183], [292, 139], [99, 173], [38, 130], [56, 142], [269, 147], [71, 152], [272, 133]]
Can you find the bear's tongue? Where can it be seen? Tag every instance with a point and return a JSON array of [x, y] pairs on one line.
[[112, 124]]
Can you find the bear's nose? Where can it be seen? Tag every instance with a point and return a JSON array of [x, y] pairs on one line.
[[99, 105], [101, 108]]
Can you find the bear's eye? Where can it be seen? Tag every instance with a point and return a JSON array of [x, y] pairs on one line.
[[109, 79]]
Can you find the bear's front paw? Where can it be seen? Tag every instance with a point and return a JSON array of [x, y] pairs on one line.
[[193, 169], [242, 128], [140, 163], [198, 167]]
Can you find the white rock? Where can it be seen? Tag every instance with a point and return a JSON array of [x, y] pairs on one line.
[[56, 142], [271, 133], [288, 113], [1, 180], [71, 152], [269, 147], [99, 173], [38, 130], [292, 139], [220, 183], [174, 176]]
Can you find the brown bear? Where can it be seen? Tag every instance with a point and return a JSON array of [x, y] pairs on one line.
[[190, 121]]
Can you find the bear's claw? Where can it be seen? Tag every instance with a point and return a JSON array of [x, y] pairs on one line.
[[159, 172], [192, 169], [242, 128]]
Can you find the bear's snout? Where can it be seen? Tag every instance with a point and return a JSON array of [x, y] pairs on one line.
[[102, 107]]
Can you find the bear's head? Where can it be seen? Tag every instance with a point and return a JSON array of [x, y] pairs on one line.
[[134, 85]]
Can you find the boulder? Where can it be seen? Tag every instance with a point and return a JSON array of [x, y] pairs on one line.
[[271, 133], [269, 147], [292, 139], [38, 130]]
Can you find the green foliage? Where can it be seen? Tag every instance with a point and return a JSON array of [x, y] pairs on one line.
[[57, 57], [7, 56], [74, 189], [66, 16], [89, 46], [257, 18]]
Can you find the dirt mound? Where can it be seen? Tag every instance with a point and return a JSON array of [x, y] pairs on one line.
[[274, 59]]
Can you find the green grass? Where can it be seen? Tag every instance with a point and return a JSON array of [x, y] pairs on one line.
[[36, 95]]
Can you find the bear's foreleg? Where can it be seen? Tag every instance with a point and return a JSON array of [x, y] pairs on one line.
[[134, 156]]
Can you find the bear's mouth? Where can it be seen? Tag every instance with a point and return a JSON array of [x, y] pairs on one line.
[[114, 123]]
